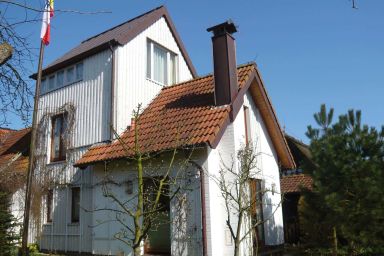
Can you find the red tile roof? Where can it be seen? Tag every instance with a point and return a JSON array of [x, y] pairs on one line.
[[9, 139], [182, 114], [293, 183], [14, 162], [14, 146]]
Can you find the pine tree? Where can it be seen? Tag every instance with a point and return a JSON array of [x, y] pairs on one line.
[[8, 237], [348, 175]]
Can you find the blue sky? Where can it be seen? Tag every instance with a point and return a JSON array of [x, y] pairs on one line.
[[309, 52]]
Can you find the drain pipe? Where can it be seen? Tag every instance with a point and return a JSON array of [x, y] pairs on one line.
[[203, 213]]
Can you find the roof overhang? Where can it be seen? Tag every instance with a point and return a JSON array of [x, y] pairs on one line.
[[147, 20]]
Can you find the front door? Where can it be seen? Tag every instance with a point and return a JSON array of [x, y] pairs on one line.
[[158, 241]]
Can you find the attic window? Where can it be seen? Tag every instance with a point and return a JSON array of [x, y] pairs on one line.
[[61, 78], [161, 64]]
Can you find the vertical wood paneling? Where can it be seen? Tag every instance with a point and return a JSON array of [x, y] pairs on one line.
[[91, 99], [132, 86]]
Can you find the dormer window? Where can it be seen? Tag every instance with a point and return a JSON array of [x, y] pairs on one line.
[[61, 78], [161, 64]]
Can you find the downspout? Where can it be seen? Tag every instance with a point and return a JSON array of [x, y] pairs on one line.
[[203, 211], [66, 220], [111, 114]]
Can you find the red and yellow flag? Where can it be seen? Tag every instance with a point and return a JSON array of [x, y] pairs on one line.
[[46, 26]]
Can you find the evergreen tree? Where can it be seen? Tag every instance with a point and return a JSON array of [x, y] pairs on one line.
[[348, 176], [8, 237]]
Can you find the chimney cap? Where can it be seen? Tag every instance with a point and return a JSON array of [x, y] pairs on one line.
[[225, 27]]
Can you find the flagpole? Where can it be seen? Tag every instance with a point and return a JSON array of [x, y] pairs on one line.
[[31, 163]]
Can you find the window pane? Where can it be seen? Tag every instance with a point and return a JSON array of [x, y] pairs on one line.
[[149, 63], [159, 65], [79, 71], [70, 75], [56, 137], [49, 205], [63, 136], [172, 68], [43, 86], [60, 78], [51, 83], [75, 207], [59, 133]]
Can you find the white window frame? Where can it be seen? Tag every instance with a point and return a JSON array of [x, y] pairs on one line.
[[150, 72], [45, 85]]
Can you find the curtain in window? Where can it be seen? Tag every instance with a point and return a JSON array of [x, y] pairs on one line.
[[172, 66], [159, 65], [56, 137]]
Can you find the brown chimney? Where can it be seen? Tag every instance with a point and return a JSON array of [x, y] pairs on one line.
[[224, 62]]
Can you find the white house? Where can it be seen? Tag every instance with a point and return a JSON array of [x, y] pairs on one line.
[[91, 91]]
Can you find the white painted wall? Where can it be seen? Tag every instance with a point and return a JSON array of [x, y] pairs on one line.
[[61, 234], [131, 84], [274, 231], [91, 99], [185, 237], [233, 140]]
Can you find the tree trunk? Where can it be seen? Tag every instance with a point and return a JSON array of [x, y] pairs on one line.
[[237, 249], [137, 251], [334, 241], [6, 51]]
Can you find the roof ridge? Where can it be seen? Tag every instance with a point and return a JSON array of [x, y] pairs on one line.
[[206, 75], [123, 23]]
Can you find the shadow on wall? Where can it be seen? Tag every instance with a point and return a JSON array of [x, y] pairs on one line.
[[274, 233]]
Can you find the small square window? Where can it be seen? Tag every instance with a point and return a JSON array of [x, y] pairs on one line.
[[70, 75], [60, 78], [79, 72]]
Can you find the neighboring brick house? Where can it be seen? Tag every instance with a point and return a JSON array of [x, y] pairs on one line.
[[14, 152], [292, 181], [97, 85]]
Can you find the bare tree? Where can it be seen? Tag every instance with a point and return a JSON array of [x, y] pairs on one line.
[[17, 57], [241, 187], [158, 182]]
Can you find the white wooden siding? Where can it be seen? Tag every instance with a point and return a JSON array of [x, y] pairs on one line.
[[91, 99], [61, 234], [131, 84], [232, 140]]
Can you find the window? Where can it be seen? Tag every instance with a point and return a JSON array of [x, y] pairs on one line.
[[79, 72], [70, 75], [161, 64], [49, 205], [257, 209], [75, 207], [151, 187], [43, 86], [247, 124], [60, 78], [58, 137], [51, 82]]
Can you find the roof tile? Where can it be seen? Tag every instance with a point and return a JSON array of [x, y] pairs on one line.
[[293, 183], [180, 115]]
